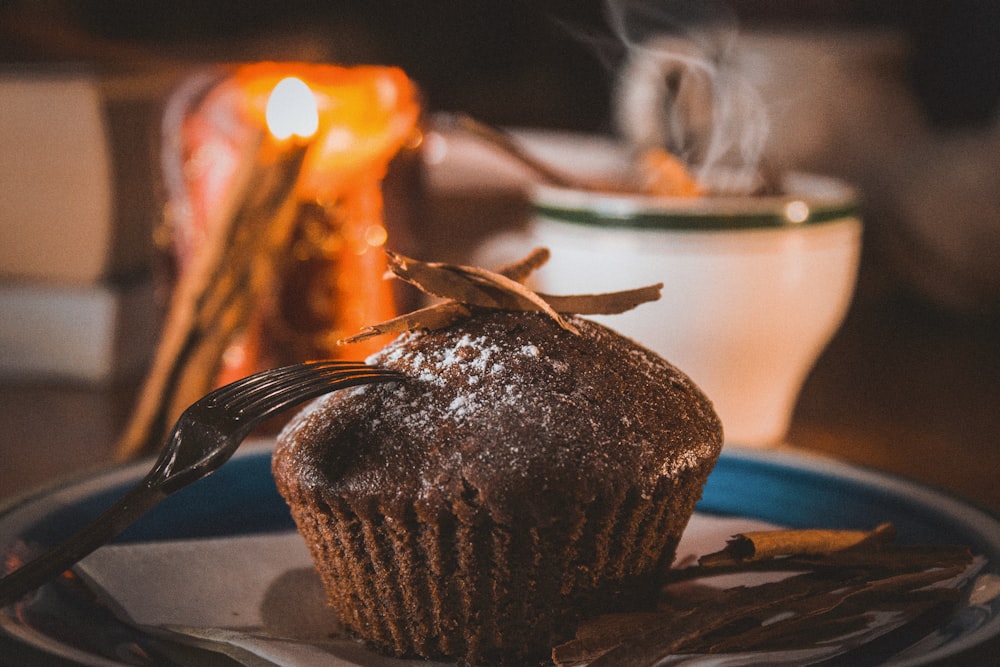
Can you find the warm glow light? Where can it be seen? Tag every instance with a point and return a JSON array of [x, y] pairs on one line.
[[797, 211], [292, 110], [376, 235]]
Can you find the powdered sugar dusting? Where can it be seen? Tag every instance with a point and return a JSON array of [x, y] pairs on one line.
[[512, 396]]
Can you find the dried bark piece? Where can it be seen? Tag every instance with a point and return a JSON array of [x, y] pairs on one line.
[[466, 289], [523, 268], [836, 594], [606, 303], [472, 286], [213, 298], [433, 317]]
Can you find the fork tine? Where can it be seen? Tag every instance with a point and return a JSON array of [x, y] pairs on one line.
[[287, 379], [267, 377], [279, 400], [273, 391]]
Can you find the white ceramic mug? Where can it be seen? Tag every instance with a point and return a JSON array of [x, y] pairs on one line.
[[754, 287]]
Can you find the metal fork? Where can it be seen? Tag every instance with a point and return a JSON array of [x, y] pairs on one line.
[[205, 436]]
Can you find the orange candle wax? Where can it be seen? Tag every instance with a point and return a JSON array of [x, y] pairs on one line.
[[333, 277]]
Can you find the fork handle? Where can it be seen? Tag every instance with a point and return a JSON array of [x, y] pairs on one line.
[[139, 500]]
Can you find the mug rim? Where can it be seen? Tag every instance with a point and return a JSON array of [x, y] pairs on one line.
[[810, 199]]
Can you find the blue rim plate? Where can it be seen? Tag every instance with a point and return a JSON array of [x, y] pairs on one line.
[[780, 487]]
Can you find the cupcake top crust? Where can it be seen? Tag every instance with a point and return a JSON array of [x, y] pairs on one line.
[[507, 410]]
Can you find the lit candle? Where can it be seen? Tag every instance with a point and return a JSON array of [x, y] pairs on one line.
[[291, 110], [282, 253]]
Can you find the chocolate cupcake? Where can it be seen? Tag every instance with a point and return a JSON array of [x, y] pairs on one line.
[[521, 478]]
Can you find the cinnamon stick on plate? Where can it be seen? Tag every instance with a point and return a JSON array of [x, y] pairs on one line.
[[760, 545]]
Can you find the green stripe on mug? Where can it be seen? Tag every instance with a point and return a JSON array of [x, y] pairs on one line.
[[794, 214]]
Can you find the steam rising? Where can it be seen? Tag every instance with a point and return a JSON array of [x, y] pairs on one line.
[[679, 89]]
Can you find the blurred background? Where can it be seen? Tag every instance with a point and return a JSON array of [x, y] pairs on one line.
[[897, 96], [493, 60]]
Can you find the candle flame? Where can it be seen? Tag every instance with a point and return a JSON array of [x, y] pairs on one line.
[[292, 110]]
